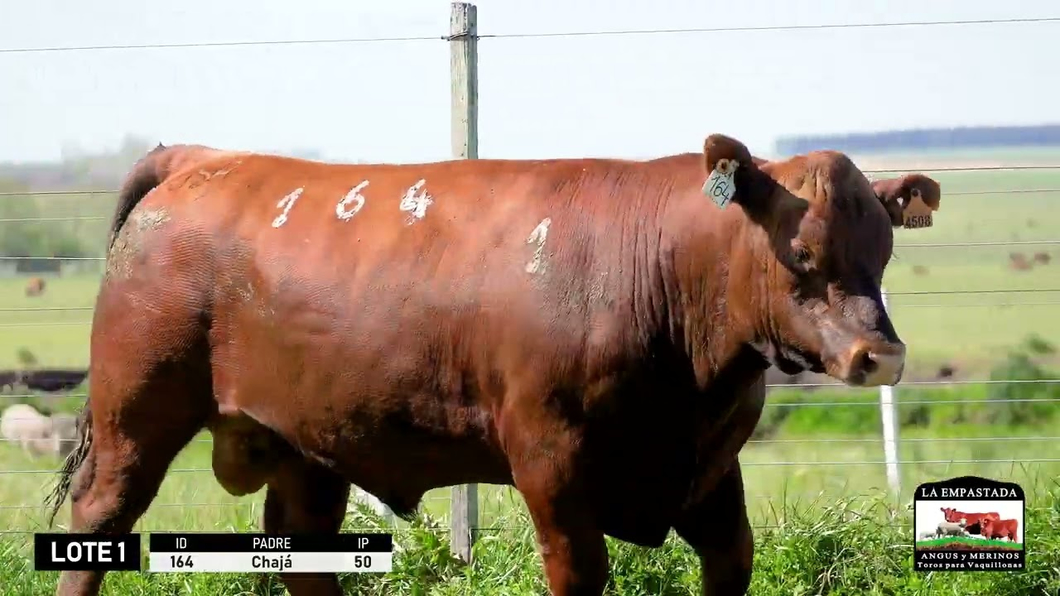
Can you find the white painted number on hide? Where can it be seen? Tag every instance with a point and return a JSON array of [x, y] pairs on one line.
[[355, 197], [538, 237], [415, 204], [286, 203]]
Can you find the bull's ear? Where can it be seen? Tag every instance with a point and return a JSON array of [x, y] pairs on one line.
[[909, 200], [732, 174]]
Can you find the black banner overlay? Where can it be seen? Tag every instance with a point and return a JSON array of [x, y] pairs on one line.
[[203, 542], [86, 552], [969, 488]]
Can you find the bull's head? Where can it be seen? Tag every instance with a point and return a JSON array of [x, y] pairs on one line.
[[812, 252]]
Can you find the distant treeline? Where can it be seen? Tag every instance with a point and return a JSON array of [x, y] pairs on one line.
[[972, 137]]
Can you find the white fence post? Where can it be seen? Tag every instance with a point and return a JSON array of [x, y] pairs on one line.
[[890, 428], [463, 70]]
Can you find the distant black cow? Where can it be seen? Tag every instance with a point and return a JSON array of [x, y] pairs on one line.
[[10, 378], [53, 381]]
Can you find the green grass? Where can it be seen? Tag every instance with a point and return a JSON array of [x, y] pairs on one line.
[[968, 540], [56, 337], [818, 523]]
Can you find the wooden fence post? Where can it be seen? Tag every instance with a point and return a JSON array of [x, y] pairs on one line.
[[463, 68]]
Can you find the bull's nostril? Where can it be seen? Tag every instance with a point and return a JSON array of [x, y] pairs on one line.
[[866, 363]]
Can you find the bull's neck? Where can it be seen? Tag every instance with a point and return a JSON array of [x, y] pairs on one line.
[[708, 278]]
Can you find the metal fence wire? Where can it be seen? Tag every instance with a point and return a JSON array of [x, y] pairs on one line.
[[765, 459]]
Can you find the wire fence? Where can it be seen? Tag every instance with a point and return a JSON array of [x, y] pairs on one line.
[[539, 34], [766, 460]]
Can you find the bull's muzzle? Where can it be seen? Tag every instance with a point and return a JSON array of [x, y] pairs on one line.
[[870, 364]]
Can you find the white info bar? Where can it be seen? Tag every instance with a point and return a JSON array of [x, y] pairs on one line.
[[271, 562]]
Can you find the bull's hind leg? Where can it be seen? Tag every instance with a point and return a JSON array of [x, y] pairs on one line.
[[149, 394], [718, 529], [137, 427], [304, 497]]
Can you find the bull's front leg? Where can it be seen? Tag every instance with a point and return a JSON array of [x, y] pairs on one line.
[[572, 548], [571, 544], [718, 529]]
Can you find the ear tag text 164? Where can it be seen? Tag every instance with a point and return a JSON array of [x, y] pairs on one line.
[[720, 185]]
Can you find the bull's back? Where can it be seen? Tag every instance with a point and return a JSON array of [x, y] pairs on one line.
[[419, 221], [414, 245], [367, 294]]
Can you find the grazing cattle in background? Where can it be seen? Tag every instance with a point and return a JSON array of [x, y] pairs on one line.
[[35, 432], [957, 528], [927, 535], [973, 519], [35, 286], [53, 380], [9, 379], [996, 528], [593, 332], [23, 425]]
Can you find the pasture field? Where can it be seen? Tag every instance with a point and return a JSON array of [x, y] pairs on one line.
[[816, 490]]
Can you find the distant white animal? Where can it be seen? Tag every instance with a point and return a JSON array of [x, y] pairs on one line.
[[952, 528], [64, 434], [926, 535], [36, 433]]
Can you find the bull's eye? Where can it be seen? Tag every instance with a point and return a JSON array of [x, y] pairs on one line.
[[802, 255]]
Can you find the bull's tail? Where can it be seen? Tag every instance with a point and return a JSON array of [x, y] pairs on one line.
[[145, 175], [71, 465]]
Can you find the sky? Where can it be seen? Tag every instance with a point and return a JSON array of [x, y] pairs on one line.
[[633, 96]]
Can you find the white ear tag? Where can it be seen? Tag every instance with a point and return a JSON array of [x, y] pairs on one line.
[[721, 185]]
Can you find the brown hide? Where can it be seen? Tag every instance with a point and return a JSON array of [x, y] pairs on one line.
[[592, 331]]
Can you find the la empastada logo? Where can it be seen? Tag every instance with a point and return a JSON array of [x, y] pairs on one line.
[[969, 523]]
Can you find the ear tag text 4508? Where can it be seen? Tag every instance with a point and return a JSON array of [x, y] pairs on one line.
[[916, 214]]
